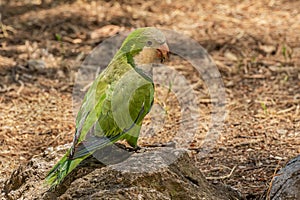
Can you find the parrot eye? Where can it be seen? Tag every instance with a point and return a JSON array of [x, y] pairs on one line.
[[149, 43]]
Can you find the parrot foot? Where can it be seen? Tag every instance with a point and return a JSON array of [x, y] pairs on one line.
[[135, 149], [127, 148]]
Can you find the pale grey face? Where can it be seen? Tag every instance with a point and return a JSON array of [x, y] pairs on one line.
[[155, 51], [155, 38], [147, 45]]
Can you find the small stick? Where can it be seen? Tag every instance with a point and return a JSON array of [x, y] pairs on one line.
[[271, 183], [222, 177], [21, 87], [86, 87], [286, 110]]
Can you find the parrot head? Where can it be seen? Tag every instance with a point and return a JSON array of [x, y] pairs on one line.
[[146, 45]]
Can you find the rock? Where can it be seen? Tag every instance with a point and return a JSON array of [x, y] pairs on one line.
[[150, 173], [286, 186]]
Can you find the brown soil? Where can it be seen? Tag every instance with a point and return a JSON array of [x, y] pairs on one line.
[[255, 45]]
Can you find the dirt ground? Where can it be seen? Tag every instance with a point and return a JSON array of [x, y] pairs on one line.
[[255, 45]]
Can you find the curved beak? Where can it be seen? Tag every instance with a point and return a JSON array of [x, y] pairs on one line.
[[163, 52]]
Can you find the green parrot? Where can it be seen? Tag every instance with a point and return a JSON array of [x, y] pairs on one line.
[[116, 103]]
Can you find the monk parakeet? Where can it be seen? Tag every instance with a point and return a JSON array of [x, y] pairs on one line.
[[115, 105]]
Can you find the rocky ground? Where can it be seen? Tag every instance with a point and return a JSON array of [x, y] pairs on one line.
[[255, 46]]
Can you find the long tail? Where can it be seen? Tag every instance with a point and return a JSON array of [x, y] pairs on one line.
[[62, 169], [83, 150]]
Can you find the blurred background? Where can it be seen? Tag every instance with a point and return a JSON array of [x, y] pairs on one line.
[[255, 45]]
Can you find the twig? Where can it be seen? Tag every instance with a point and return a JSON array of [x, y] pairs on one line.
[[86, 87], [286, 110], [21, 87], [255, 76], [222, 177], [249, 142], [271, 183], [210, 100]]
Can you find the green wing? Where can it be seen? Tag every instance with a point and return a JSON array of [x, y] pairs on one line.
[[127, 102], [85, 119]]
